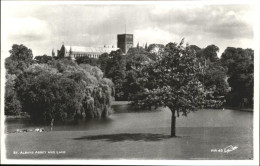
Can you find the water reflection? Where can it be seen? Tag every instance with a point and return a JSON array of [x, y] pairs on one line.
[[126, 117]]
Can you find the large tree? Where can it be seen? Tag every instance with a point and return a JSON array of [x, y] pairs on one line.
[[20, 58], [46, 94], [240, 70], [62, 90], [43, 59], [213, 76], [12, 104], [86, 60], [115, 70], [172, 81], [209, 53], [103, 61], [135, 59]]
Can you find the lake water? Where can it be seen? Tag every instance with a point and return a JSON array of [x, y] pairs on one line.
[[126, 118]]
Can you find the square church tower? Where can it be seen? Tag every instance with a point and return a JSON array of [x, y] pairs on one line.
[[125, 41]]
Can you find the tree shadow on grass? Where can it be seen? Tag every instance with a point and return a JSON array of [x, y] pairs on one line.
[[126, 137]]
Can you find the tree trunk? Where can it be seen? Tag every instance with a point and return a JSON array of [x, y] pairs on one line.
[[52, 121], [173, 126]]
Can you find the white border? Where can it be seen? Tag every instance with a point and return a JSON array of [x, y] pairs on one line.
[[255, 161], [256, 80], [134, 2]]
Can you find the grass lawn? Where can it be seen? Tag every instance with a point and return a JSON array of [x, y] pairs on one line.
[[148, 143]]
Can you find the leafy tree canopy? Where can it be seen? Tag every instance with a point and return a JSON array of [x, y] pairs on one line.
[[115, 70], [232, 56], [62, 90], [20, 58], [103, 62], [21, 53], [43, 59], [136, 57], [12, 104], [213, 76], [195, 48], [240, 69], [86, 60], [172, 81]]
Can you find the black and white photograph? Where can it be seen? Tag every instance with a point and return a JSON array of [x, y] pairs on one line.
[[130, 82]]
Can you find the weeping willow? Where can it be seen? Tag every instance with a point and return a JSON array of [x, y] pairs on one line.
[[64, 91], [97, 102], [98, 96]]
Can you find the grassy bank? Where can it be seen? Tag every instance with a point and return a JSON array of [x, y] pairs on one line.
[[151, 143], [241, 109], [202, 135]]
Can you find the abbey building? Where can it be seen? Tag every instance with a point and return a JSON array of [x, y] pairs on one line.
[[124, 42]]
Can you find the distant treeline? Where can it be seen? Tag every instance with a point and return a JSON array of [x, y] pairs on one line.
[[59, 88], [227, 80]]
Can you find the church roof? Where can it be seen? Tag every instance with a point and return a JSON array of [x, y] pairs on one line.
[[90, 49]]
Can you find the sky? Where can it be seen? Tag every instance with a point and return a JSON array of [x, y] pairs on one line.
[[43, 27]]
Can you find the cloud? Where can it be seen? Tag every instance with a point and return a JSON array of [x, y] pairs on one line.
[[226, 22], [28, 28], [23, 31], [154, 35], [44, 27]]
